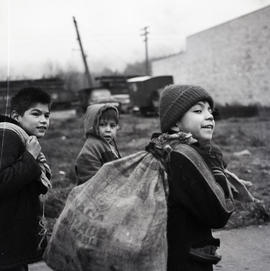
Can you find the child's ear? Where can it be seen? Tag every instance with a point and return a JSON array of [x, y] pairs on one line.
[[118, 127], [177, 126], [14, 115]]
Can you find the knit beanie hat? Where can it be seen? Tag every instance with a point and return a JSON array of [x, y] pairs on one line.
[[176, 100]]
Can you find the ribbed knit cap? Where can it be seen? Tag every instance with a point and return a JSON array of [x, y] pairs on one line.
[[176, 100]]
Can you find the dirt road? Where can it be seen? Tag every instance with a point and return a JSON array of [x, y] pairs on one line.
[[244, 249]]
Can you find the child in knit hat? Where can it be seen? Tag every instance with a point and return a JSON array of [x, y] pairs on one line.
[[198, 200]]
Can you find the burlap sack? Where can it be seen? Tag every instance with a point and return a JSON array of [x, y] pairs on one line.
[[114, 221]]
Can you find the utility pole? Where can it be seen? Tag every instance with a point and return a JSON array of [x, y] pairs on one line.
[[145, 35], [87, 72]]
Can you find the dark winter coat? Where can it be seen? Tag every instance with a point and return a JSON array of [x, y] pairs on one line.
[[20, 207], [196, 200], [96, 151], [192, 212]]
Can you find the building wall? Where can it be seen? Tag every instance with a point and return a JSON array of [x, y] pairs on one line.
[[231, 60]]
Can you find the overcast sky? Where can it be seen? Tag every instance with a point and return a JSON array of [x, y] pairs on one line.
[[38, 36]]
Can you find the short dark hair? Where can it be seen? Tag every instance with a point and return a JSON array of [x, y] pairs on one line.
[[110, 114], [26, 97]]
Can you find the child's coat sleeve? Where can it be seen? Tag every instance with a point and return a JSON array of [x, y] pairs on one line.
[[92, 156], [18, 167], [186, 190], [87, 165]]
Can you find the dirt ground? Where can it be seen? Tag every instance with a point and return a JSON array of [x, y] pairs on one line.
[[241, 249], [244, 142], [244, 249]]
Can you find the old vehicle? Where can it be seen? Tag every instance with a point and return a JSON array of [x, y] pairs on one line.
[[110, 89], [88, 96], [145, 91], [62, 96], [118, 86], [124, 102]]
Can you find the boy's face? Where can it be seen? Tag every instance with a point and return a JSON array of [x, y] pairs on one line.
[[108, 129], [199, 121], [35, 120]]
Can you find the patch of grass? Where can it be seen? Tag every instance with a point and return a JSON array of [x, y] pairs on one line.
[[257, 142], [249, 214], [236, 111]]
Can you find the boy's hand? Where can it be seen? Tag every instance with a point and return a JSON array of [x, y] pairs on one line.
[[246, 183], [33, 146]]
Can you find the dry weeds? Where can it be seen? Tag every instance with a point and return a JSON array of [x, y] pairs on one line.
[[244, 142]]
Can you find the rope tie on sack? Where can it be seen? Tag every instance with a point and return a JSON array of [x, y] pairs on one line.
[[161, 146], [43, 223]]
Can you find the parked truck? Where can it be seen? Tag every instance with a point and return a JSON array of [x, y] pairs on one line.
[[145, 91], [108, 89], [61, 96]]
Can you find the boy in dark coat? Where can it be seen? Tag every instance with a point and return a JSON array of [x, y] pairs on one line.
[[24, 175], [193, 206], [100, 128]]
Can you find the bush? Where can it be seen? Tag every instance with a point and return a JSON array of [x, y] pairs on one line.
[[236, 110]]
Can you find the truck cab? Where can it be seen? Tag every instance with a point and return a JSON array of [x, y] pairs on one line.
[[145, 92]]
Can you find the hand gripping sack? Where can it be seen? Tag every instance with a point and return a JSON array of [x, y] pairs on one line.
[[114, 221]]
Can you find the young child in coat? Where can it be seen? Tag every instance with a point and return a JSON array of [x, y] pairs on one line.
[[194, 197], [100, 128], [24, 175]]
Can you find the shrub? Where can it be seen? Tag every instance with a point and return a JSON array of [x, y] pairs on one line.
[[236, 110]]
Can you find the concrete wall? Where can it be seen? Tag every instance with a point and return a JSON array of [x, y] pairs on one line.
[[231, 60]]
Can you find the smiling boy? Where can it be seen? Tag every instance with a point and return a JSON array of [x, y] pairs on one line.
[[24, 175], [195, 195], [198, 121]]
